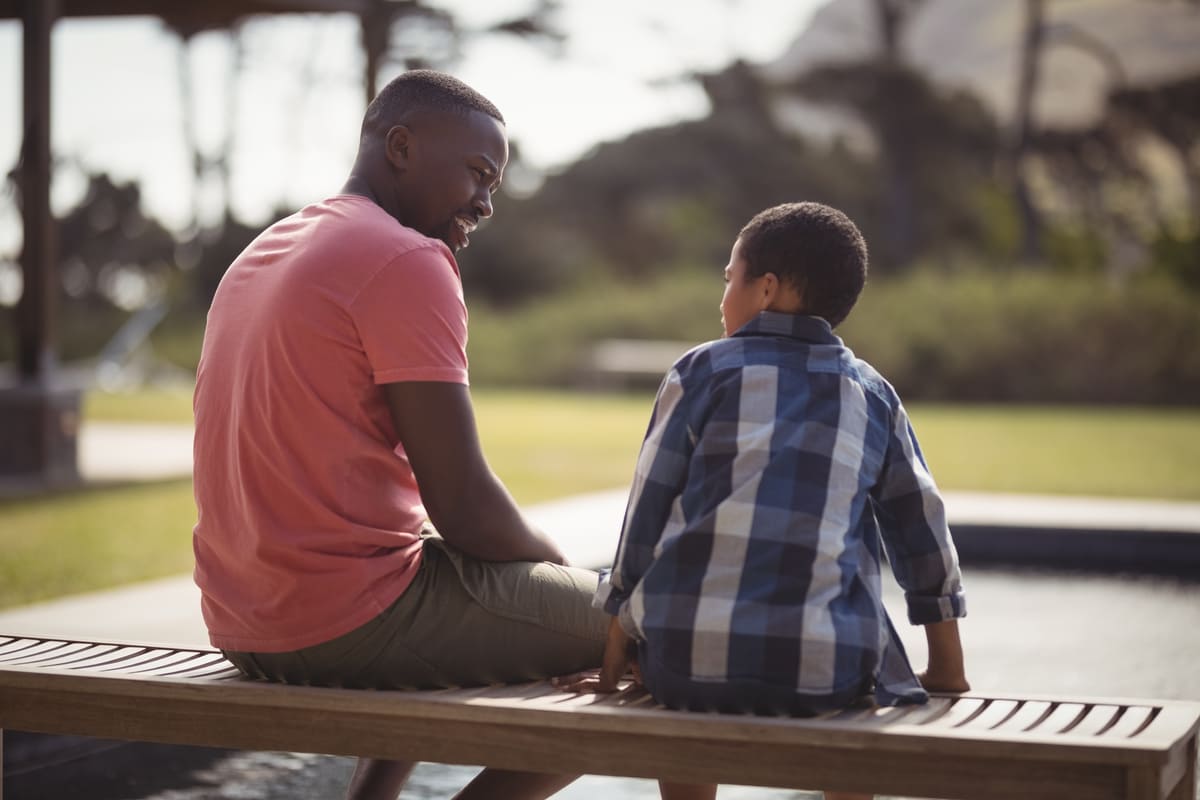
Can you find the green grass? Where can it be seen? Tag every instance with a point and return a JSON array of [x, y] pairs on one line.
[[146, 405], [1115, 452], [64, 544], [550, 444]]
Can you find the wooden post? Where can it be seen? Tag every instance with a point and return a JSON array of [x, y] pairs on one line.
[[39, 267], [39, 420]]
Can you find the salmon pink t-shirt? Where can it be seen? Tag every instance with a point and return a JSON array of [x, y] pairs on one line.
[[308, 510]]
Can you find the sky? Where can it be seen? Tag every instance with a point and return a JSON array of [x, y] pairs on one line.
[[293, 111]]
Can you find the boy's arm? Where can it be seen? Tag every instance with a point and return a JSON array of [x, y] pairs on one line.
[[912, 521], [657, 482], [945, 672]]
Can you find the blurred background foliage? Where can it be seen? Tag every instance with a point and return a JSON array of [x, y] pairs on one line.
[[1012, 259]]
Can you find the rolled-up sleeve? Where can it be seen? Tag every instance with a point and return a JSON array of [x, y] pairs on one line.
[[912, 522]]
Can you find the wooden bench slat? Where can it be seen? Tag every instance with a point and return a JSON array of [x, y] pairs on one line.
[[1131, 722], [48, 656], [995, 715], [1100, 718], [1061, 719], [23, 648]]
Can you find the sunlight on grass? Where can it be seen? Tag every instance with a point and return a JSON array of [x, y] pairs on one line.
[[63, 544], [171, 404], [1114, 452], [545, 445]]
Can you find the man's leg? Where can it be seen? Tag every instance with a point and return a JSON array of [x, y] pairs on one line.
[[494, 783], [375, 779], [468, 623]]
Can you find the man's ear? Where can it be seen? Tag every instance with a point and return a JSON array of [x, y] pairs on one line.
[[397, 145]]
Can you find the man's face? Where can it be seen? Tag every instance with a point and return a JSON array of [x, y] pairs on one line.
[[744, 296], [453, 164]]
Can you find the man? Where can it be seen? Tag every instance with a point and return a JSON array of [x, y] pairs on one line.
[[334, 424]]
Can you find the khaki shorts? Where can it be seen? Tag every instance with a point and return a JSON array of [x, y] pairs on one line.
[[462, 622]]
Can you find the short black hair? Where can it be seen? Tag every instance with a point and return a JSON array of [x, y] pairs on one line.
[[816, 248], [424, 90]]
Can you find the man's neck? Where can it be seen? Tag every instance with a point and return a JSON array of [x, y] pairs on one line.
[[356, 184]]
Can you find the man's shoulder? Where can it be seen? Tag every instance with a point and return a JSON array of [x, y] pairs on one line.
[[359, 224]]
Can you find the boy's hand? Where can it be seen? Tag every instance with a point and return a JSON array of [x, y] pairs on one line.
[[587, 682], [944, 683], [945, 672], [617, 659]]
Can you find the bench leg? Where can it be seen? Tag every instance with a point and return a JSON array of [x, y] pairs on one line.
[[1186, 788]]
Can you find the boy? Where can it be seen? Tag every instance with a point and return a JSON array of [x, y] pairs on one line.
[[776, 469]]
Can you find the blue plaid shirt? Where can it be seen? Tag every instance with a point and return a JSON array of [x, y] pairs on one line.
[[776, 470]]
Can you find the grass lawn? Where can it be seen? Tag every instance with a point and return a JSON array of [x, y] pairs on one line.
[[550, 444]]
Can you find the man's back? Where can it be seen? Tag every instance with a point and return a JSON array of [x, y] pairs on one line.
[[308, 519]]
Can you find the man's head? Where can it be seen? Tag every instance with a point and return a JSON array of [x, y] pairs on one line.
[[799, 257], [432, 152]]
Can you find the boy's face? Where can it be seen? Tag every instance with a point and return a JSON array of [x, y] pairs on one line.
[[744, 296]]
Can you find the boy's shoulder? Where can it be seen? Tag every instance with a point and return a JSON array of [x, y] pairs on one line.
[[736, 353]]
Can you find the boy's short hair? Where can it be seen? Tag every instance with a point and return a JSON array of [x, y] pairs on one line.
[[424, 90], [816, 248]]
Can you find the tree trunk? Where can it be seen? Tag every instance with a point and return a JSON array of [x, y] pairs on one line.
[[1031, 51]]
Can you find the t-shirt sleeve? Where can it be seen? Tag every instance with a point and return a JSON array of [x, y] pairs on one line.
[[412, 320]]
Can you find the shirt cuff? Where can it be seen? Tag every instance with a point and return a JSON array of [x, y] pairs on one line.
[[606, 593], [926, 609]]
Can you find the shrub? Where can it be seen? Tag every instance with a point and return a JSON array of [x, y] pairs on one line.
[[958, 336]]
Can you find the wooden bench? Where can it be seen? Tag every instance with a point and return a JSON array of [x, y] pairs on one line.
[[970, 746], [630, 363]]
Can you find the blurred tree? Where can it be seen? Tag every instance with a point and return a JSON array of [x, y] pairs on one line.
[[1107, 174], [672, 197], [936, 151], [1022, 128], [111, 252], [1037, 34], [397, 35], [1171, 112], [895, 153]]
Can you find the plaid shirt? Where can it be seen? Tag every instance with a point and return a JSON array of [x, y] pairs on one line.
[[776, 469]]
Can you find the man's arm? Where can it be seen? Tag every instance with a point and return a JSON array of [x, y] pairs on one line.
[[465, 500]]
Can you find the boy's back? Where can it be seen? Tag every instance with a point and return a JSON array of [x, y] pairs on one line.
[[751, 551]]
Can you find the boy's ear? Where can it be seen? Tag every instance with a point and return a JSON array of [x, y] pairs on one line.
[[396, 145], [783, 296], [769, 287]]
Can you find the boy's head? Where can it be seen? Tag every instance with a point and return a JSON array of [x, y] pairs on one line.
[[802, 258]]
